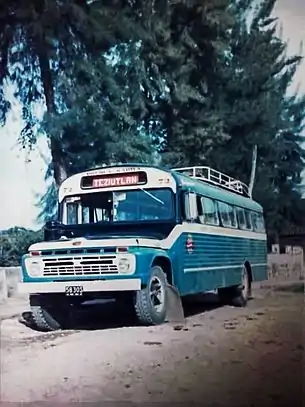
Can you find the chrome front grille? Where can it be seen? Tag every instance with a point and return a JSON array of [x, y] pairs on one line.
[[80, 266]]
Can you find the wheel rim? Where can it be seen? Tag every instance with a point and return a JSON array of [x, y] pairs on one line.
[[245, 284], [156, 294]]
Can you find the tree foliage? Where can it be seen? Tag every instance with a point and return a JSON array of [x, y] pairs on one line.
[[258, 110], [14, 243], [39, 40], [100, 121]]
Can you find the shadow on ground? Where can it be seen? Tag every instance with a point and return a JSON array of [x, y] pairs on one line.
[[298, 287], [111, 315]]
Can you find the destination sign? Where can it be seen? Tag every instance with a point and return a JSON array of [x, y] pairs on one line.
[[114, 180]]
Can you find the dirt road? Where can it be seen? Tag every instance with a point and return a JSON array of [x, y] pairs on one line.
[[223, 356]]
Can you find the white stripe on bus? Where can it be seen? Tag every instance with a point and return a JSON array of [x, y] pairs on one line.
[[197, 269], [208, 230], [165, 244]]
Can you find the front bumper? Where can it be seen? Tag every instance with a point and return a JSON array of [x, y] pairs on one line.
[[132, 284]]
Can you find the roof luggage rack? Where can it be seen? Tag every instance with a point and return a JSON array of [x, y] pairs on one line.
[[215, 177]]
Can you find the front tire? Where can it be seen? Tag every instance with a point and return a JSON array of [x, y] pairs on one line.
[[151, 302], [47, 314]]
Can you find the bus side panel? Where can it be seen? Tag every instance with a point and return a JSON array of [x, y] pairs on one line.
[[192, 282], [214, 261], [203, 266]]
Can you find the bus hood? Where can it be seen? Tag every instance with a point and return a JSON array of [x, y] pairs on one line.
[[151, 231], [84, 243]]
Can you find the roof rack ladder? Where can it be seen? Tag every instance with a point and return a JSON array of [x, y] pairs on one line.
[[208, 174]]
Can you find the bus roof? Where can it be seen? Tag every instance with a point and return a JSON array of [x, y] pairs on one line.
[[72, 184], [216, 192]]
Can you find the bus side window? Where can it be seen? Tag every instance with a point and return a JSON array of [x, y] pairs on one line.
[[241, 218], [254, 219], [228, 215], [201, 215], [232, 214], [258, 222], [224, 212], [210, 211], [248, 220], [190, 207], [262, 223]]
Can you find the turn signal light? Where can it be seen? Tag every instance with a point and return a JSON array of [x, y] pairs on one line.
[[36, 253], [122, 249]]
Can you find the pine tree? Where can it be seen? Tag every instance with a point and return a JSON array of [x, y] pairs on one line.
[[189, 40], [285, 207], [257, 110]]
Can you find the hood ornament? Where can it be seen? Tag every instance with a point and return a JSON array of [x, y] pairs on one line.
[[78, 242]]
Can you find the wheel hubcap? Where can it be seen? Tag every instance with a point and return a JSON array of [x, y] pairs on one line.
[[156, 294]]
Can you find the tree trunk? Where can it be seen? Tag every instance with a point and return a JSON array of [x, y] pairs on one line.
[[58, 162], [58, 159], [253, 170]]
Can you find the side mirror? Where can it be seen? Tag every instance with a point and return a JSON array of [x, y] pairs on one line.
[[191, 210], [52, 224], [51, 230]]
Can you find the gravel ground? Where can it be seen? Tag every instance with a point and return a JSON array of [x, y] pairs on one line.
[[221, 356]]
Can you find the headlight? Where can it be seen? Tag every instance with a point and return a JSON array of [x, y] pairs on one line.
[[34, 267], [126, 264]]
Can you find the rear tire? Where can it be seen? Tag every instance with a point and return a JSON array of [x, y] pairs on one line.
[[241, 293], [237, 296], [48, 316], [151, 302]]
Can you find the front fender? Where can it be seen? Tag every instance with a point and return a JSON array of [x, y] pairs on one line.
[[144, 261]]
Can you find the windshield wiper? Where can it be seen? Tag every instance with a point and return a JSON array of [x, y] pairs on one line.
[[152, 196]]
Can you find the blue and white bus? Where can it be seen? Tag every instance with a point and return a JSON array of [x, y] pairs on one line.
[[132, 230]]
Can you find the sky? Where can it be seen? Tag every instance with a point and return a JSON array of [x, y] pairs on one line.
[[291, 14], [22, 174]]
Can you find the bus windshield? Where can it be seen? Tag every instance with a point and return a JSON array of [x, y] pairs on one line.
[[130, 206]]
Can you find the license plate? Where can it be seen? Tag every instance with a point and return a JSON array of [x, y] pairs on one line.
[[74, 290]]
